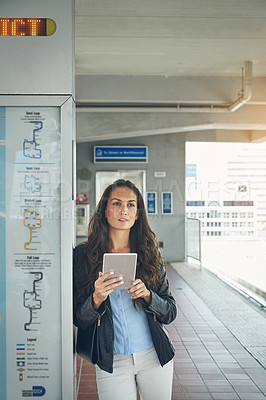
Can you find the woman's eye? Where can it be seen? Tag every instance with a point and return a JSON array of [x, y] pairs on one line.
[[116, 203], [131, 205]]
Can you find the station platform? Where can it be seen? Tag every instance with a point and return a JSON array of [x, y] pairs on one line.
[[220, 341]]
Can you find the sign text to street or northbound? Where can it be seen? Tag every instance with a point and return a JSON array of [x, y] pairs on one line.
[[122, 154]]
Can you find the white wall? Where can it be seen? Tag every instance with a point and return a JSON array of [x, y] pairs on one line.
[[166, 153], [38, 65]]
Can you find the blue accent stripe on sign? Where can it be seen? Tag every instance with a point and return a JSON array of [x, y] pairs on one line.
[[2, 255], [2, 129], [3, 272], [2, 111], [2, 180]]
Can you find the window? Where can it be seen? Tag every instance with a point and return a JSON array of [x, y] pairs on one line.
[[238, 203], [195, 203]]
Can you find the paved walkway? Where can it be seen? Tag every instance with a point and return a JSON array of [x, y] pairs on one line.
[[244, 319], [219, 338]]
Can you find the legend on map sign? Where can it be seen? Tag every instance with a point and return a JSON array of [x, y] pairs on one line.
[[124, 154]]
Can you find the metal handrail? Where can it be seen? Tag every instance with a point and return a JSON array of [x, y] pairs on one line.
[[193, 239]]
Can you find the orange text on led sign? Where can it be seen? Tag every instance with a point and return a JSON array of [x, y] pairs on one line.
[[27, 26]]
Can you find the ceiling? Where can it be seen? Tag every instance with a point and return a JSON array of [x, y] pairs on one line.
[[169, 37], [144, 54]]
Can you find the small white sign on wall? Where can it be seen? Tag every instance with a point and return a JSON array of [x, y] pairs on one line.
[[160, 174]]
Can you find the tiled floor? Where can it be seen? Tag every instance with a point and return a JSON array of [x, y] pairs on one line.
[[243, 318], [210, 362]]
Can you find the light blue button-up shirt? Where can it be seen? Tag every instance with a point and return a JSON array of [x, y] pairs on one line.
[[131, 329]]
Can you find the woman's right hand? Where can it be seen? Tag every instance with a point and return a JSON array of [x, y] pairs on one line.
[[103, 286]]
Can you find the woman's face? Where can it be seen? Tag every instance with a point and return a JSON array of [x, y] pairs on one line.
[[121, 211]]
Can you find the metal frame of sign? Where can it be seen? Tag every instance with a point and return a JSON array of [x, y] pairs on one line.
[[117, 154], [167, 209], [149, 200]]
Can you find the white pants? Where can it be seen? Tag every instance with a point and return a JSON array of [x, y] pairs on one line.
[[140, 371]]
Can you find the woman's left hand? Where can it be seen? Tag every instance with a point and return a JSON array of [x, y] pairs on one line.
[[139, 290]]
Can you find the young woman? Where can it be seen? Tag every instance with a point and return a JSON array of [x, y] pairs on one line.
[[134, 352]]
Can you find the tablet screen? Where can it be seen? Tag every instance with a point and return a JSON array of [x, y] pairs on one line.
[[123, 264]]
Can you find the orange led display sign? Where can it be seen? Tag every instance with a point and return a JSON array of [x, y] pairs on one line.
[[27, 27]]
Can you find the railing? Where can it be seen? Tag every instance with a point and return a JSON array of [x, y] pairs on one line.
[[193, 239]]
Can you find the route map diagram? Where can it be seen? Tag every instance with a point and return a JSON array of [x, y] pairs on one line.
[[32, 222], [31, 299], [31, 147], [31, 183]]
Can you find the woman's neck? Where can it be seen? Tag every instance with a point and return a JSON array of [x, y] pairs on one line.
[[119, 241]]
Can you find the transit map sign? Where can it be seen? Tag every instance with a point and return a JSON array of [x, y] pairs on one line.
[[30, 269]]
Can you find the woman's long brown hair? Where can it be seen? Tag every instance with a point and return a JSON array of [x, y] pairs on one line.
[[142, 241]]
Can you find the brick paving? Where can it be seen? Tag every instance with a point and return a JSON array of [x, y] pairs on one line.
[[210, 361], [245, 320]]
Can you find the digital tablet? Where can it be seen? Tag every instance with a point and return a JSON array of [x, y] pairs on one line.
[[123, 264]]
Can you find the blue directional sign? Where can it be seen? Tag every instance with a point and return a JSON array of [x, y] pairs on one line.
[[152, 202], [124, 154]]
